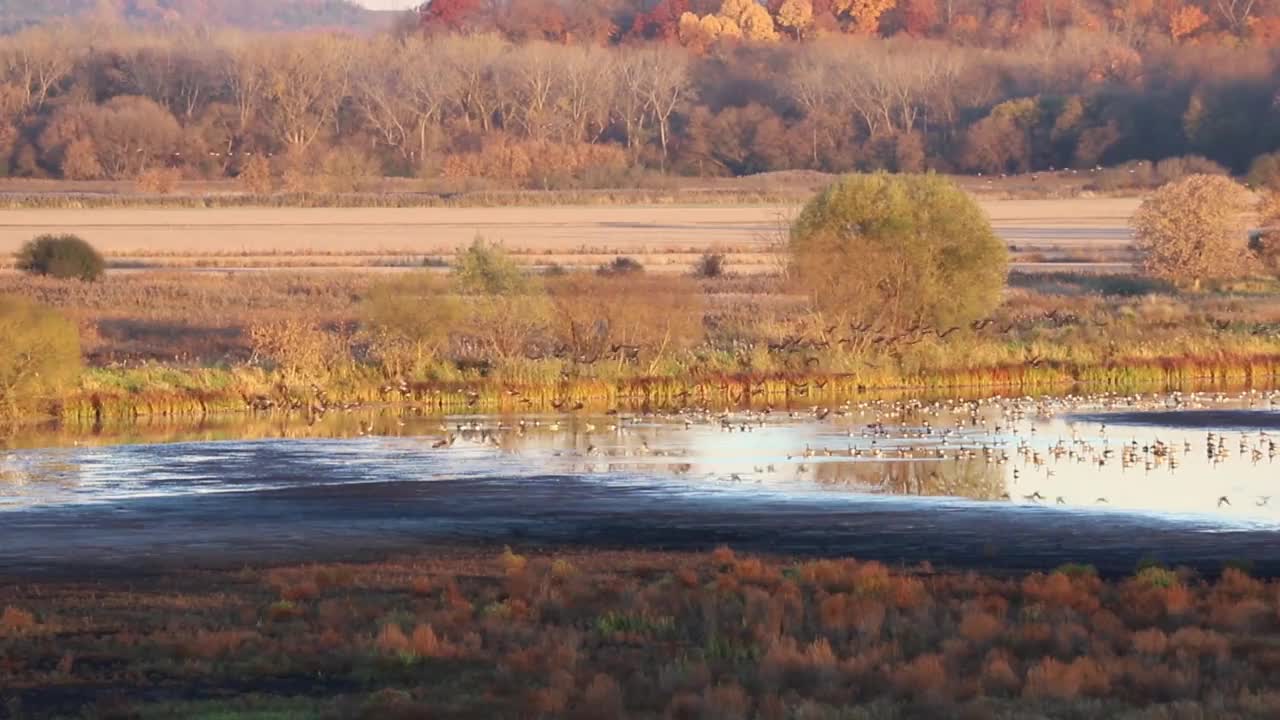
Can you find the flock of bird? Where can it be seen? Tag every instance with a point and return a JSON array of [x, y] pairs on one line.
[[992, 432]]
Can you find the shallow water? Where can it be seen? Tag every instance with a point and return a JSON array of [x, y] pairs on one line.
[[995, 483]]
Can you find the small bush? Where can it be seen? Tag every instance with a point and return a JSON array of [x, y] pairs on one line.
[[61, 256], [160, 181], [621, 266], [1264, 173], [709, 266], [256, 176]]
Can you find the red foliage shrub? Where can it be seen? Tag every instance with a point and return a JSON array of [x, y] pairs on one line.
[[16, 621], [1052, 679], [1197, 643], [923, 677], [980, 627], [725, 702], [998, 675], [601, 700], [300, 591], [754, 572], [1246, 614], [723, 556], [1150, 642], [786, 666]]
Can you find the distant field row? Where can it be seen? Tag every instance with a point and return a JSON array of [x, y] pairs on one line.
[[1068, 230]]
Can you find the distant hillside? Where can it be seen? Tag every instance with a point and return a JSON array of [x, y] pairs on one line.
[[248, 14]]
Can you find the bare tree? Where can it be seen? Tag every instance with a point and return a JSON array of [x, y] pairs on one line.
[[306, 83], [655, 82], [36, 61]]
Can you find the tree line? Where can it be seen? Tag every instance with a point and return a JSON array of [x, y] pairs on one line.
[[102, 101]]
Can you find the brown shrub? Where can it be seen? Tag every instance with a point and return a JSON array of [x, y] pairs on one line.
[[256, 176], [160, 181]]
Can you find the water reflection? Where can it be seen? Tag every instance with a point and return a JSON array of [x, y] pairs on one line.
[[1194, 456]]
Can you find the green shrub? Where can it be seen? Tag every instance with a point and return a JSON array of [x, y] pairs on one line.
[[896, 252], [40, 352], [61, 256], [485, 269]]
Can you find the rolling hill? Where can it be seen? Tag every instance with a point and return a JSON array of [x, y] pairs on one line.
[[246, 14]]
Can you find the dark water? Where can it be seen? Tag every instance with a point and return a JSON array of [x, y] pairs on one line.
[[997, 485]]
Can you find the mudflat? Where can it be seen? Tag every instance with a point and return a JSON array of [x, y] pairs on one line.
[[633, 229]]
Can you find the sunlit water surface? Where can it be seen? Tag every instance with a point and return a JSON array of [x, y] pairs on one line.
[[1209, 463]]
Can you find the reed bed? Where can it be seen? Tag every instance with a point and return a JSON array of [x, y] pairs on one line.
[[172, 345]]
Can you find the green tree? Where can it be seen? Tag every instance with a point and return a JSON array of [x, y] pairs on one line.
[[61, 256], [40, 353], [1194, 230], [896, 252]]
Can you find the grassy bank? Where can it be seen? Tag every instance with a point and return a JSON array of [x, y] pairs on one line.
[[164, 345], [606, 635], [123, 394]]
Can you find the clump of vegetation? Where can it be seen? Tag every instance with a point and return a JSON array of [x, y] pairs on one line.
[[64, 257], [709, 266], [40, 353], [484, 268], [893, 252], [606, 634], [1193, 230], [621, 266]]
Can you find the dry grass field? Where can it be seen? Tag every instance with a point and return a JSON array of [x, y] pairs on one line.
[[1076, 231]]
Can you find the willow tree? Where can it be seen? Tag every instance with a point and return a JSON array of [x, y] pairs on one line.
[[40, 354], [897, 252]]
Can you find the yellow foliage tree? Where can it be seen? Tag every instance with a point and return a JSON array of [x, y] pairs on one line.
[[753, 19], [700, 32], [796, 16], [865, 14]]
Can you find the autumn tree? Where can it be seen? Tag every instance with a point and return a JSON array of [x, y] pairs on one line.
[[894, 252], [41, 352], [796, 17], [1194, 230]]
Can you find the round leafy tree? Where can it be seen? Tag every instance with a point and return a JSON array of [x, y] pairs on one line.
[[1195, 230], [896, 252], [61, 256]]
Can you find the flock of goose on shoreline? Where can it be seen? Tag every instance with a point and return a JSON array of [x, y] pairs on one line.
[[995, 431]]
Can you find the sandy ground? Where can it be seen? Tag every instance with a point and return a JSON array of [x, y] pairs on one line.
[[1087, 223]]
